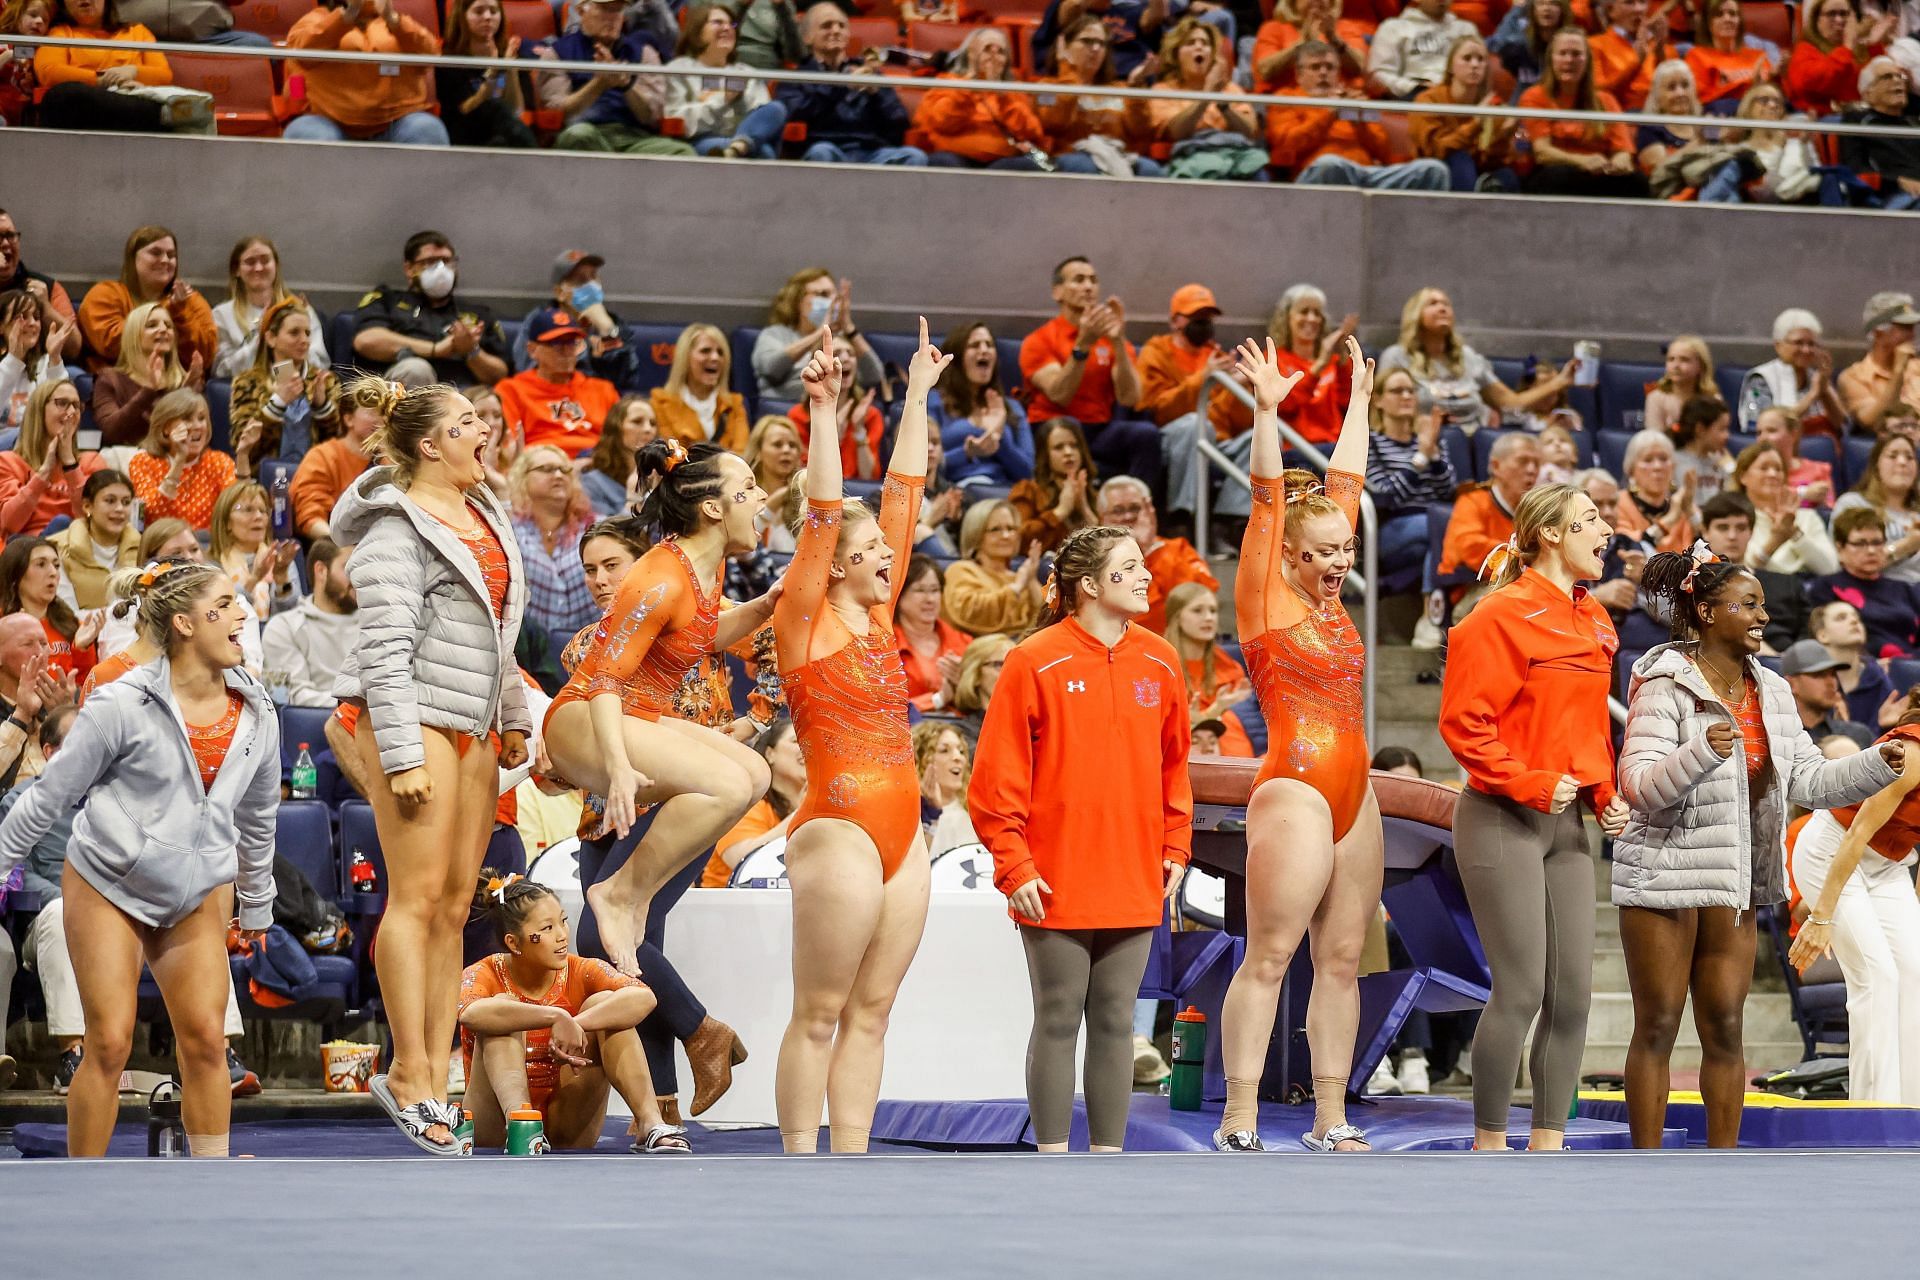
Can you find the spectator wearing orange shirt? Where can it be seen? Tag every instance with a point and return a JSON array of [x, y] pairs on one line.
[[861, 426], [554, 403], [1209, 141], [1823, 71], [149, 272], [967, 130], [1887, 375], [1083, 56], [77, 85], [1652, 508], [365, 101], [1478, 151], [330, 466], [930, 648], [1627, 50], [1080, 365], [1174, 368], [1342, 147], [771, 816], [175, 473], [1483, 516], [1277, 45], [1572, 157], [1126, 504], [1724, 64], [1317, 404]]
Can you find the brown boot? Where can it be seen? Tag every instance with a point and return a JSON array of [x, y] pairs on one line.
[[713, 1051]]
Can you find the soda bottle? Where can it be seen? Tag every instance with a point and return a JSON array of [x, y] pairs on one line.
[[305, 779], [1189, 1059], [360, 871]]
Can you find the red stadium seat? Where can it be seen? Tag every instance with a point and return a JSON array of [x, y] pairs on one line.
[[994, 10], [1770, 21], [424, 12], [270, 18], [531, 20], [941, 37], [871, 33], [242, 90]]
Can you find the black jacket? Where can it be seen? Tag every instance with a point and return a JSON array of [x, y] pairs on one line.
[[843, 116]]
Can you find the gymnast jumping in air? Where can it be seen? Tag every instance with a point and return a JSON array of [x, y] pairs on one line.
[[856, 858], [1314, 846]]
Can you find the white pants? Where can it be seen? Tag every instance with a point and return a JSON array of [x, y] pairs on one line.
[[1876, 939], [46, 954]]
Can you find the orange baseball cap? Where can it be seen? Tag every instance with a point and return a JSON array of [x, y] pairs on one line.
[[1190, 299]]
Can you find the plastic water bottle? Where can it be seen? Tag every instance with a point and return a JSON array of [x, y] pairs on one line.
[[1189, 1059], [166, 1135], [360, 871], [305, 779], [282, 519]]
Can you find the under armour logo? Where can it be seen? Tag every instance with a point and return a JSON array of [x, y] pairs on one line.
[[1076, 686]]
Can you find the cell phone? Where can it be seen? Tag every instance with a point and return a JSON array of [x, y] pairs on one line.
[[281, 369]]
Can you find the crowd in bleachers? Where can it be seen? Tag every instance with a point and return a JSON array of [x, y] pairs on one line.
[[228, 431], [1762, 62]]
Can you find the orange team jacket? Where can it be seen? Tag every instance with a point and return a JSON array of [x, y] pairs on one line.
[[1436, 137], [1171, 375], [983, 127], [322, 476], [565, 415], [1578, 135], [1531, 704], [1297, 136], [103, 314], [1172, 561], [1067, 118], [1817, 82], [1619, 69], [1080, 775], [1726, 75], [362, 95], [1479, 524]]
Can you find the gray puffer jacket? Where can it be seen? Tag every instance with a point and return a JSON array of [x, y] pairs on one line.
[[429, 651], [1696, 836]]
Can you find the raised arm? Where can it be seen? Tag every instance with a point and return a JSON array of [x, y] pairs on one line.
[[803, 598], [1259, 548], [1356, 432], [907, 469]]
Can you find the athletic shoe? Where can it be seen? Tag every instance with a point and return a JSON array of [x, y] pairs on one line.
[[8, 1069], [1427, 635], [1413, 1073], [1241, 1142], [63, 1074], [245, 1083], [1148, 1066], [1382, 1084]]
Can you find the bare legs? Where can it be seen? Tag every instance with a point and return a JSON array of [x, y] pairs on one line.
[[703, 782], [433, 853], [189, 961], [577, 1109], [853, 938], [1300, 882], [1670, 953]]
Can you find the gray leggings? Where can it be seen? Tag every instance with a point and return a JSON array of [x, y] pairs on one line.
[[1529, 879], [1093, 973]]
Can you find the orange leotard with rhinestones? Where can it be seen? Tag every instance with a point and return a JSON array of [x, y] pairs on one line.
[[660, 626], [483, 544], [569, 990], [211, 741], [1305, 660], [848, 693]]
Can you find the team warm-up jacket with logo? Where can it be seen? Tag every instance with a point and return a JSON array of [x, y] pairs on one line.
[[1080, 775]]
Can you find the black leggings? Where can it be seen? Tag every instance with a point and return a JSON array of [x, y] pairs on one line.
[[1076, 973], [678, 1013], [88, 106]]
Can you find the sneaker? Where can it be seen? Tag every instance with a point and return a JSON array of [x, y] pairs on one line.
[[245, 1083], [1427, 635], [1148, 1066], [456, 1075], [1412, 1074], [1382, 1084], [64, 1073], [1241, 1141]]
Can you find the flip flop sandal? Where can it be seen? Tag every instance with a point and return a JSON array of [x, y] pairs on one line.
[[662, 1140], [1241, 1140], [1335, 1136], [414, 1121]]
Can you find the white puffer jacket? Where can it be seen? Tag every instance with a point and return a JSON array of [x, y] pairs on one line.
[[1696, 836], [429, 651]]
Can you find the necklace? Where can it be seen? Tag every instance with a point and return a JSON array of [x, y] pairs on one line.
[[1719, 684]]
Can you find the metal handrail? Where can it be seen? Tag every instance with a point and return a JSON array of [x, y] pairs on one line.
[[1028, 87], [1206, 454]]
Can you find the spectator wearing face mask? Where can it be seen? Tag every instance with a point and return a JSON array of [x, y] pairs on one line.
[[807, 303], [1174, 370], [577, 292], [425, 333]]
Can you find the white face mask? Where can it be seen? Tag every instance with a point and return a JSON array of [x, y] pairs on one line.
[[817, 309], [437, 280]]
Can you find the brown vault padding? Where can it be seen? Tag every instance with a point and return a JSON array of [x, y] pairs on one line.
[[1228, 780]]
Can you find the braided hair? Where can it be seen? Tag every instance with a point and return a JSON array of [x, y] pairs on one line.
[[507, 899], [1081, 556], [1685, 581], [689, 475], [154, 593]]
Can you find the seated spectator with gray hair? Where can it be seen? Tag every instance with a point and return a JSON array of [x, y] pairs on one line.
[[1892, 161], [425, 333], [1127, 503], [603, 111], [1799, 377], [864, 125], [1340, 148], [1887, 376]]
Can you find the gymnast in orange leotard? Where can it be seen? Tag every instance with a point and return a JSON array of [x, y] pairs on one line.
[[611, 730], [855, 857], [1314, 848]]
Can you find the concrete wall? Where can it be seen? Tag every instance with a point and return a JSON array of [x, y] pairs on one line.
[[695, 238]]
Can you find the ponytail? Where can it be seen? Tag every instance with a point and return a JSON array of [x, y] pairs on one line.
[[407, 418], [687, 475], [1683, 580], [1079, 557], [506, 899], [1542, 508]]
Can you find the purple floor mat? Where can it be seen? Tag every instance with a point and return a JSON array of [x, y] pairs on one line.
[[1789, 1127]]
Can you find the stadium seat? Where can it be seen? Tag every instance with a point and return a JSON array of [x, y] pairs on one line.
[[871, 33], [424, 12], [1855, 452], [1823, 449], [358, 835], [896, 348], [743, 380], [531, 20], [1610, 446], [219, 397], [1904, 673], [303, 835], [1769, 20], [654, 343], [997, 9], [269, 18], [942, 37], [242, 90], [1458, 446], [340, 342], [1623, 393], [1728, 378], [298, 725]]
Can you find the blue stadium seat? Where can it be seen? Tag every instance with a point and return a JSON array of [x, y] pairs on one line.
[[1511, 370], [1736, 441], [1904, 672], [340, 341], [1856, 450], [1771, 662], [510, 329], [303, 835], [1009, 348], [357, 834], [219, 397], [1459, 450], [743, 380], [654, 345], [302, 724], [1623, 392], [1728, 378], [895, 348], [1823, 449], [1610, 448]]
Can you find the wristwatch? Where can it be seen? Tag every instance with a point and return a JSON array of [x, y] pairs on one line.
[[13, 718], [1081, 353]]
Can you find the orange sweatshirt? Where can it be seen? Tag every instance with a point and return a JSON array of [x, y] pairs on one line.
[[1173, 561], [322, 476], [53, 65], [1297, 136], [1578, 135], [103, 314], [1437, 137], [983, 127], [1531, 704], [1619, 69], [1722, 74], [1171, 375], [566, 415], [1479, 524], [361, 95], [1080, 775], [29, 501]]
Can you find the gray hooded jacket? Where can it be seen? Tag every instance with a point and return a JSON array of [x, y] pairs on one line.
[[429, 650], [148, 836], [1696, 836]]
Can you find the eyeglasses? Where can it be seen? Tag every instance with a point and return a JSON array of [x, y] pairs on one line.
[[9, 237], [1865, 543], [550, 469], [1133, 512], [59, 403]]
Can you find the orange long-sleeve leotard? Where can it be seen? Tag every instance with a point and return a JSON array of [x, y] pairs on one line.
[[660, 626], [1306, 662], [848, 693]]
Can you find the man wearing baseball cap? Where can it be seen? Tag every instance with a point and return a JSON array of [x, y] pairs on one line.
[[1813, 673], [554, 403], [1888, 375], [606, 112], [576, 290], [1174, 367]]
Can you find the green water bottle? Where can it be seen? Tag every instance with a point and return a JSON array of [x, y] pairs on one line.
[[1189, 1059], [525, 1134], [463, 1132], [303, 780]]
